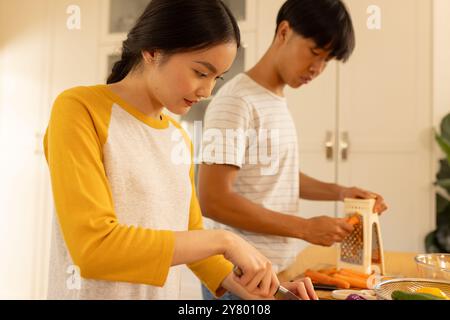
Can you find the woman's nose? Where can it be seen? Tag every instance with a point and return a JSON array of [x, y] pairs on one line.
[[205, 91]]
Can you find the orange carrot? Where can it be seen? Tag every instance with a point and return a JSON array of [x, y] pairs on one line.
[[326, 279], [355, 282], [328, 271], [353, 273], [353, 220]]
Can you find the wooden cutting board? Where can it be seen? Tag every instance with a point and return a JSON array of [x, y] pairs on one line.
[[398, 264]]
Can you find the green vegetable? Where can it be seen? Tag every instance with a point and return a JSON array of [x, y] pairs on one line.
[[402, 295]]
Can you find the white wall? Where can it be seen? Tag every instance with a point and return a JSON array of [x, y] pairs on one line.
[[441, 59], [441, 78], [39, 58], [23, 91]]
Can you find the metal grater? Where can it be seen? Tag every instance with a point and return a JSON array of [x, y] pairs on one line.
[[362, 250]]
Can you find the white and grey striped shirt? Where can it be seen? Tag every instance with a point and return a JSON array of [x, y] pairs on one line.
[[250, 127]]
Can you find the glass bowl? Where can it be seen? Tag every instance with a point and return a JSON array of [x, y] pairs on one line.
[[384, 289], [433, 266]]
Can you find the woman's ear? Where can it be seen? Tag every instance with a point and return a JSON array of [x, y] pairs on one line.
[[152, 57], [149, 57]]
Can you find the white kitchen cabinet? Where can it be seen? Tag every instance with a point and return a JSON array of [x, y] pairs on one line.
[[119, 16], [388, 116], [379, 103], [244, 12], [109, 55]]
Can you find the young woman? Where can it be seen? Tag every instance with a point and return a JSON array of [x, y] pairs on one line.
[[127, 211]]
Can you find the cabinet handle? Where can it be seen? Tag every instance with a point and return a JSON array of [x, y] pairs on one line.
[[329, 145], [345, 144]]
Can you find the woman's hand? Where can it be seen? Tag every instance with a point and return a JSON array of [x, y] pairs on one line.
[[257, 278], [302, 288]]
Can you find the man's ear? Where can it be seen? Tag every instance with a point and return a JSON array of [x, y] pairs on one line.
[[283, 31]]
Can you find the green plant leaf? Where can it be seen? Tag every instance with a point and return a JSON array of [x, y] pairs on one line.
[[441, 203], [445, 127], [431, 245], [444, 170], [445, 146], [443, 218], [445, 183]]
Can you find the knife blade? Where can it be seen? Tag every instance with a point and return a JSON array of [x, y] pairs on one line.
[[281, 294]]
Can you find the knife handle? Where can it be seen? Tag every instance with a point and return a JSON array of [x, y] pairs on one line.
[[237, 271], [281, 294]]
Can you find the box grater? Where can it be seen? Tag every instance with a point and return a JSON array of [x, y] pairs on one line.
[[362, 250]]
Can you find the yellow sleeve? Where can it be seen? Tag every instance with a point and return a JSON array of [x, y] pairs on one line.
[[213, 270], [102, 248]]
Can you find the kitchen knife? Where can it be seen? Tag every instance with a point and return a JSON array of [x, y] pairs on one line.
[[281, 294], [325, 287]]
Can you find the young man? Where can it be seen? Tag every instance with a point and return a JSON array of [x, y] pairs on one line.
[[246, 196]]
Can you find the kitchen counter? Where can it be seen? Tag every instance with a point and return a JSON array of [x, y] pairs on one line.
[[400, 264]]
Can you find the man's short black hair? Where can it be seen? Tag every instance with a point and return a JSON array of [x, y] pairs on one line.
[[327, 22]]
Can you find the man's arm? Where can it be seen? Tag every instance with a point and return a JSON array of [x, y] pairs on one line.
[[219, 202], [312, 189]]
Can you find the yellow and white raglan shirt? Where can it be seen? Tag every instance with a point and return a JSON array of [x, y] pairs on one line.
[[121, 188]]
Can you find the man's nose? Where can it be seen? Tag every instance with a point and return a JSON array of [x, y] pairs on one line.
[[317, 67]]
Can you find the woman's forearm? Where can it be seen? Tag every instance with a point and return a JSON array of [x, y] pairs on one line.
[[193, 246]]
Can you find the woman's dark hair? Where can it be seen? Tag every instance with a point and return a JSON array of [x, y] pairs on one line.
[[175, 26], [327, 22]]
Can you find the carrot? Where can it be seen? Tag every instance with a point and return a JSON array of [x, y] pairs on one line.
[[326, 279], [353, 273], [353, 220], [328, 271], [355, 282]]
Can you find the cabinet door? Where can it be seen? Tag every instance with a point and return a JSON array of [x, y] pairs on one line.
[[385, 107], [118, 17], [244, 12], [313, 109], [109, 55]]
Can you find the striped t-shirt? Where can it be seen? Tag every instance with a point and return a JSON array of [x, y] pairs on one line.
[[250, 127]]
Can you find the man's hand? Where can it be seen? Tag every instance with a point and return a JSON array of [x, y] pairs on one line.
[[357, 193], [325, 231]]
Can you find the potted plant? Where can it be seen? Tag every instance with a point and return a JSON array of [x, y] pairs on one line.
[[438, 241]]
